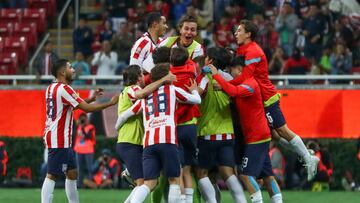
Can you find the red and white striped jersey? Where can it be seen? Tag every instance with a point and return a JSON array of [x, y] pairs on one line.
[[61, 100], [142, 48], [131, 92], [159, 113]]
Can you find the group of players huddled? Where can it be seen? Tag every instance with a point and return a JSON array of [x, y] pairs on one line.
[[175, 123], [175, 118]]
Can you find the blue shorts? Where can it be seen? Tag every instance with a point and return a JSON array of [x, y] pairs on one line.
[[215, 153], [161, 157], [274, 115], [256, 161], [60, 160], [187, 135], [131, 156]]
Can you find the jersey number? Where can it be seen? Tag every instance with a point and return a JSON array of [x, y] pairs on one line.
[[50, 108], [161, 104]]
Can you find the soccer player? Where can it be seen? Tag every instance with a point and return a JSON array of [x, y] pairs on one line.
[[256, 66], [256, 161], [188, 30], [216, 133], [61, 100], [130, 134], [187, 115], [160, 140], [145, 45]]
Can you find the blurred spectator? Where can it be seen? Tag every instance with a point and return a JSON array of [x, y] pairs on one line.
[[208, 35], [159, 6], [84, 147], [122, 42], [278, 164], [325, 167], [254, 7], [191, 11], [314, 26], [341, 60], [178, 9], [286, 24], [17, 3], [266, 36], [106, 170], [296, 65], [277, 61], [82, 38], [324, 64], [107, 32], [3, 161], [117, 8], [219, 10], [223, 32], [81, 68], [206, 10], [356, 53], [45, 59], [105, 60]]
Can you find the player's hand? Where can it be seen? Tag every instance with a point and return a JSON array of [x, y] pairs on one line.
[[193, 85], [98, 92], [169, 78], [214, 70], [114, 100], [217, 86]]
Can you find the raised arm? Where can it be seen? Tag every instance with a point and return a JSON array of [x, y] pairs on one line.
[[141, 94], [241, 90], [124, 116]]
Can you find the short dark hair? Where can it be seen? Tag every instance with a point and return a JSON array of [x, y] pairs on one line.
[[161, 55], [153, 17], [179, 56], [249, 26], [220, 57], [188, 19], [160, 70], [131, 75], [238, 61], [61, 63]]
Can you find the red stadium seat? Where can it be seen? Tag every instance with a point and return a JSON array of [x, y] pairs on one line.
[[48, 5], [35, 15], [10, 15], [9, 63], [27, 30], [19, 45], [6, 29]]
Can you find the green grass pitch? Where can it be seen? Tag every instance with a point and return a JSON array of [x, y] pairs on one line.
[[20, 195]]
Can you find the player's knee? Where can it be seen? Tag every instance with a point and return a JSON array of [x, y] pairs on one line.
[[201, 173], [51, 176], [72, 174]]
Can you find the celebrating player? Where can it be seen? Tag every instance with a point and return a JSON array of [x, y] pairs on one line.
[[61, 100]]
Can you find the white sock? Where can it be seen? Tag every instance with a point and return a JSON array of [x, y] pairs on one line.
[[47, 190], [276, 198], [140, 194], [71, 191], [189, 192], [174, 193], [256, 197], [300, 148], [207, 190], [236, 189], [128, 199], [182, 198]]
